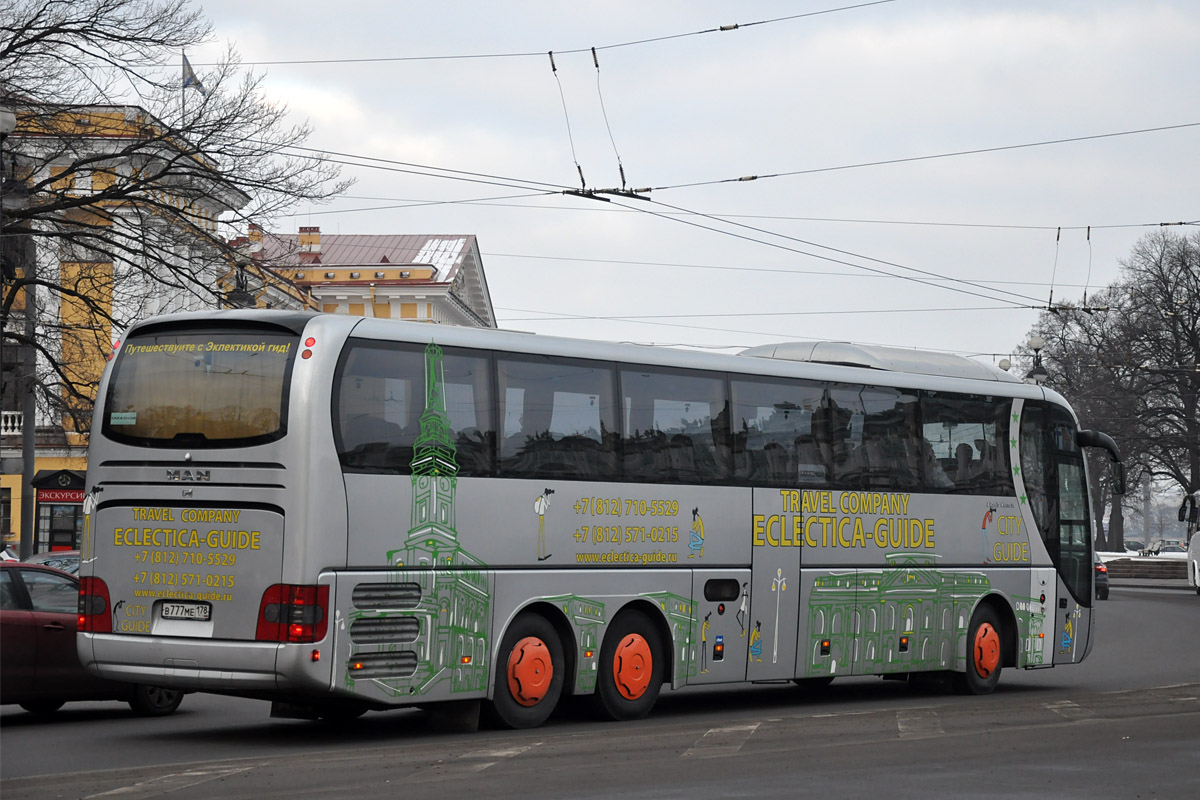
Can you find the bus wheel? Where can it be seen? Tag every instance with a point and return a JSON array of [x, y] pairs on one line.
[[984, 656], [631, 668], [154, 701], [339, 712], [529, 673], [42, 706], [813, 684]]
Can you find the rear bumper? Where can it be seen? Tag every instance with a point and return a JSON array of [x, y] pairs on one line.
[[230, 667]]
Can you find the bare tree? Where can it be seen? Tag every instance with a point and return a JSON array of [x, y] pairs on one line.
[[122, 184], [1133, 370]]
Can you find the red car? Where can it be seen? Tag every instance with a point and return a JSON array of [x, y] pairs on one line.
[[39, 667]]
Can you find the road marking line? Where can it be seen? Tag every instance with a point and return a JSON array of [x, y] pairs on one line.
[[919, 724], [173, 782], [471, 762], [1070, 710], [720, 742]]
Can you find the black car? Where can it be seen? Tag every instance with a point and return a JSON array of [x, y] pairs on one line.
[[39, 666], [1101, 580]]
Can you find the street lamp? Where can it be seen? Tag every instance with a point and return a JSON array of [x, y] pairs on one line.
[[1038, 374]]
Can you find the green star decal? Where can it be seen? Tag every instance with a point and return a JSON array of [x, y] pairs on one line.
[[1016, 416], [1024, 500], [1016, 470], [1013, 443]]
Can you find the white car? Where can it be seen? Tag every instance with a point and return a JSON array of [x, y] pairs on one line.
[[1193, 562]]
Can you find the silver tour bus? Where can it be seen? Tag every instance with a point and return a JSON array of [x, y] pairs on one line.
[[341, 514]]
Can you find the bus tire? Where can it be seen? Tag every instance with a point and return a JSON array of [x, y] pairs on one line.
[[339, 712], [529, 673], [154, 701], [631, 668], [984, 653], [42, 706]]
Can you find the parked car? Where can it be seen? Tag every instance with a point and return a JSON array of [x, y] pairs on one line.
[[1193, 562], [66, 560], [39, 667], [1134, 546], [1101, 579]]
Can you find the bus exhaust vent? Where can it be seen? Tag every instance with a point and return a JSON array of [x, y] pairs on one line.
[[384, 630], [398, 664], [386, 595]]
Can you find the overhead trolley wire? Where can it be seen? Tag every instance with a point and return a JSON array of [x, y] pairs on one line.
[[842, 252], [477, 56], [911, 159]]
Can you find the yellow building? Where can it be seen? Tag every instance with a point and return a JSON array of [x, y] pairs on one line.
[[425, 277], [97, 200]]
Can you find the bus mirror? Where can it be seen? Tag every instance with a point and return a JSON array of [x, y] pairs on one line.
[[1118, 478], [1184, 516]]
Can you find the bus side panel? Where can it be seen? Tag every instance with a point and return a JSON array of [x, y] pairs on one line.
[[589, 600], [905, 618], [409, 636], [1037, 649], [504, 522], [771, 626], [724, 624], [1072, 627]]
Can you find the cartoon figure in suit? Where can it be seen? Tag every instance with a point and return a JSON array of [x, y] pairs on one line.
[[540, 506]]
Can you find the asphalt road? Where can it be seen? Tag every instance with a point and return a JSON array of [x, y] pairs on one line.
[[1126, 723]]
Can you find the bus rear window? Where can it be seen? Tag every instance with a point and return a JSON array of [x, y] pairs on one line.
[[200, 388]]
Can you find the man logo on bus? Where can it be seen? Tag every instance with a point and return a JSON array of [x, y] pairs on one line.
[[696, 543], [987, 518], [540, 506]]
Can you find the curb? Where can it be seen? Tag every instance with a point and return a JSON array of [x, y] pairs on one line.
[[1134, 583]]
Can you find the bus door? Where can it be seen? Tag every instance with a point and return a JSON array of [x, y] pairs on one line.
[[721, 637], [774, 598], [1054, 481]]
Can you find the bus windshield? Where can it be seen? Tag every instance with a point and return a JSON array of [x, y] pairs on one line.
[[200, 389]]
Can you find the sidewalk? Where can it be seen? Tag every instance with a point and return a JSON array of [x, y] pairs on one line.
[[1150, 583]]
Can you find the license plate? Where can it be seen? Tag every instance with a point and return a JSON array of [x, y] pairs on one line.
[[197, 611]]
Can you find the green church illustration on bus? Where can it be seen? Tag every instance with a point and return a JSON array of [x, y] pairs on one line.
[[445, 589]]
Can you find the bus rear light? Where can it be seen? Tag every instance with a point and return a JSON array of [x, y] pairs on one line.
[[93, 606], [292, 613], [310, 342]]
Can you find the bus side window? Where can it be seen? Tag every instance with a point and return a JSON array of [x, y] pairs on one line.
[[378, 397], [559, 418], [777, 432], [676, 426], [965, 443], [467, 395]]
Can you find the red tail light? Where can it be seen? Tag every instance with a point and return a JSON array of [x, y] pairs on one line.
[[1101, 568], [291, 613], [93, 606]]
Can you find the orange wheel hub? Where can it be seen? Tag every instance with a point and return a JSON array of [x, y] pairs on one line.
[[633, 663], [530, 671], [986, 649]]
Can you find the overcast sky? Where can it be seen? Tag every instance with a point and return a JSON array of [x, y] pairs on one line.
[[826, 254]]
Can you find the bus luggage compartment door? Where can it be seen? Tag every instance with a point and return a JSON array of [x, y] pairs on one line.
[[721, 634]]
